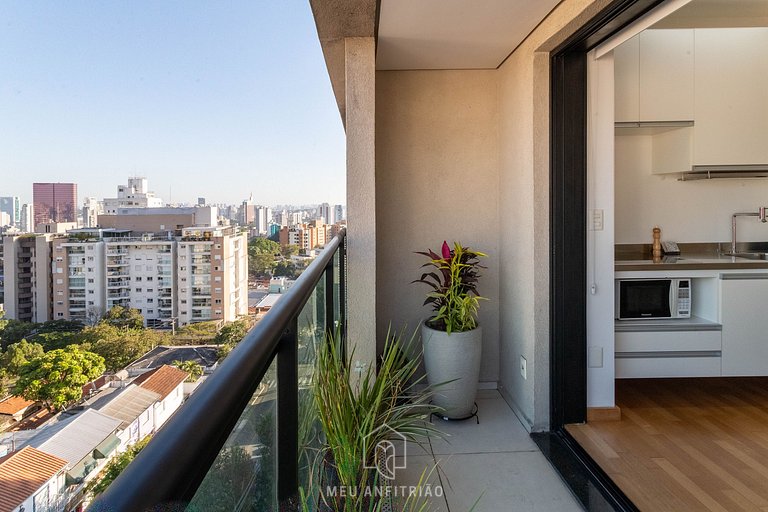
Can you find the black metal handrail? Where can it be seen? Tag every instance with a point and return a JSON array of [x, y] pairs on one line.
[[168, 471]]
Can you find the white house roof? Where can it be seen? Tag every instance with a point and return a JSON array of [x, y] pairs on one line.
[[269, 300], [75, 438], [130, 404]]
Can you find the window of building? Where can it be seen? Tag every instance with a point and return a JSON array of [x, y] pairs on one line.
[[217, 256], [150, 278], [183, 279], [150, 290], [217, 301], [90, 258], [138, 290], [59, 281], [150, 311], [90, 247], [59, 270], [90, 292], [59, 258], [59, 292], [217, 278], [90, 269], [59, 314], [182, 268], [90, 280], [217, 268], [138, 278], [60, 302], [149, 301], [183, 301], [90, 303]]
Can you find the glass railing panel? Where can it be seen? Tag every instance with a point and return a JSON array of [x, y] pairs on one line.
[[243, 475], [311, 329], [336, 291]]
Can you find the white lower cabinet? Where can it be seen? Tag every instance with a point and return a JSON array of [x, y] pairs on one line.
[[677, 353], [744, 315]]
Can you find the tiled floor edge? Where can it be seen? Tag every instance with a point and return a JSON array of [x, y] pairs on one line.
[[593, 489]]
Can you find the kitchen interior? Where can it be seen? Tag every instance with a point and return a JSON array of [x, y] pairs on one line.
[[689, 429]]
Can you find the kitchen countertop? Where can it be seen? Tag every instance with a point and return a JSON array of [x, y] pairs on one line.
[[688, 261]]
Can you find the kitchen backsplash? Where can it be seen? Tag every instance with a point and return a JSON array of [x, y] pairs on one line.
[[692, 211]]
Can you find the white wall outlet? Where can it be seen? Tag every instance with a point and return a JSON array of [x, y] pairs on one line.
[[595, 357], [597, 219], [523, 367], [359, 367]]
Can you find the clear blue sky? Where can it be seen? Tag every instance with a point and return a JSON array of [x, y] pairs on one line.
[[213, 99]]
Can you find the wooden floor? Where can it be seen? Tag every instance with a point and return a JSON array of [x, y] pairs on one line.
[[686, 444]]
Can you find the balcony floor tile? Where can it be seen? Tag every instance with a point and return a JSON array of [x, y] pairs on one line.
[[499, 430], [495, 461]]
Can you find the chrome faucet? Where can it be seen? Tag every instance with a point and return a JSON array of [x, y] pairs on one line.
[[761, 216]]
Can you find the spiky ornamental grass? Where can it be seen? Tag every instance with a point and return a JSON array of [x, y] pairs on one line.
[[355, 418]]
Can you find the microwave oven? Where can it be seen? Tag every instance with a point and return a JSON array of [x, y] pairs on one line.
[[638, 299]]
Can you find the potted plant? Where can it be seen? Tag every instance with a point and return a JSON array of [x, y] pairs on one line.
[[358, 419], [452, 337]]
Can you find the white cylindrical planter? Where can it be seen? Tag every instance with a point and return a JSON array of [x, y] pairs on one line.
[[454, 358]]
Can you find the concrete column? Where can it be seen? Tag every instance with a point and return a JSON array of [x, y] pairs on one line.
[[360, 96]]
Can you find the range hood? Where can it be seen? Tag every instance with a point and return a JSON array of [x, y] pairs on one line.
[[711, 172], [652, 124]]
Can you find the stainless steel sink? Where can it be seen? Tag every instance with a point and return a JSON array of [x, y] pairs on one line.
[[749, 255]]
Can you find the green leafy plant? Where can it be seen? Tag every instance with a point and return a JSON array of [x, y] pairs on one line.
[[56, 378], [454, 298], [352, 415]]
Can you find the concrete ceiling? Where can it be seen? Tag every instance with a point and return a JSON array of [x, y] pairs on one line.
[[718, 13], [454, 34]]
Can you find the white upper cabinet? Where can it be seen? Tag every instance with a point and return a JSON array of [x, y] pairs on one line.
[[667, 75], [626, 72], [654, 76], [731, 96]]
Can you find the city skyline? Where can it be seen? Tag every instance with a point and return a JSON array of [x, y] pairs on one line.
[[215, 103]]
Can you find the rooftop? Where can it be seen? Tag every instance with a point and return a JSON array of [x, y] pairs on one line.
[[23, 472], [205, 355], [75, 438], [14, 405], [130, 404], [162, 380]]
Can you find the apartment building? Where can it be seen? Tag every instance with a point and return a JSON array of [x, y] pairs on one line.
[[54, 202], [27, 277], [135, 194], [212, 275], [201, 275], [306, 236]]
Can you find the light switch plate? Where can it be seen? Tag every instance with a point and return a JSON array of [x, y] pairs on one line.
[[597, 219], [595, 357]]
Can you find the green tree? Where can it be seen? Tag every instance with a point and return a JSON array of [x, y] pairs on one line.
[[232, 333], [19, 354], [115, 467], [290, 250], [13, 331], [193, 368], [227, 483], [285, 269], [120, 346], [57, 377], [124, 317], [262, 254]]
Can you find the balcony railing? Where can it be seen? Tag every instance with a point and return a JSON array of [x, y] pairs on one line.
[[241, 410]]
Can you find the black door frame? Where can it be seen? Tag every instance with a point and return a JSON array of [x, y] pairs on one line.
[[568, 209], [568, 255]]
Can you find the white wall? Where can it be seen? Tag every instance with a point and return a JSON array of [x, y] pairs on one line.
[[600, 243], [690, 211]]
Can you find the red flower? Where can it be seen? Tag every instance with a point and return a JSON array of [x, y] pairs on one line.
[[446, 251]]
